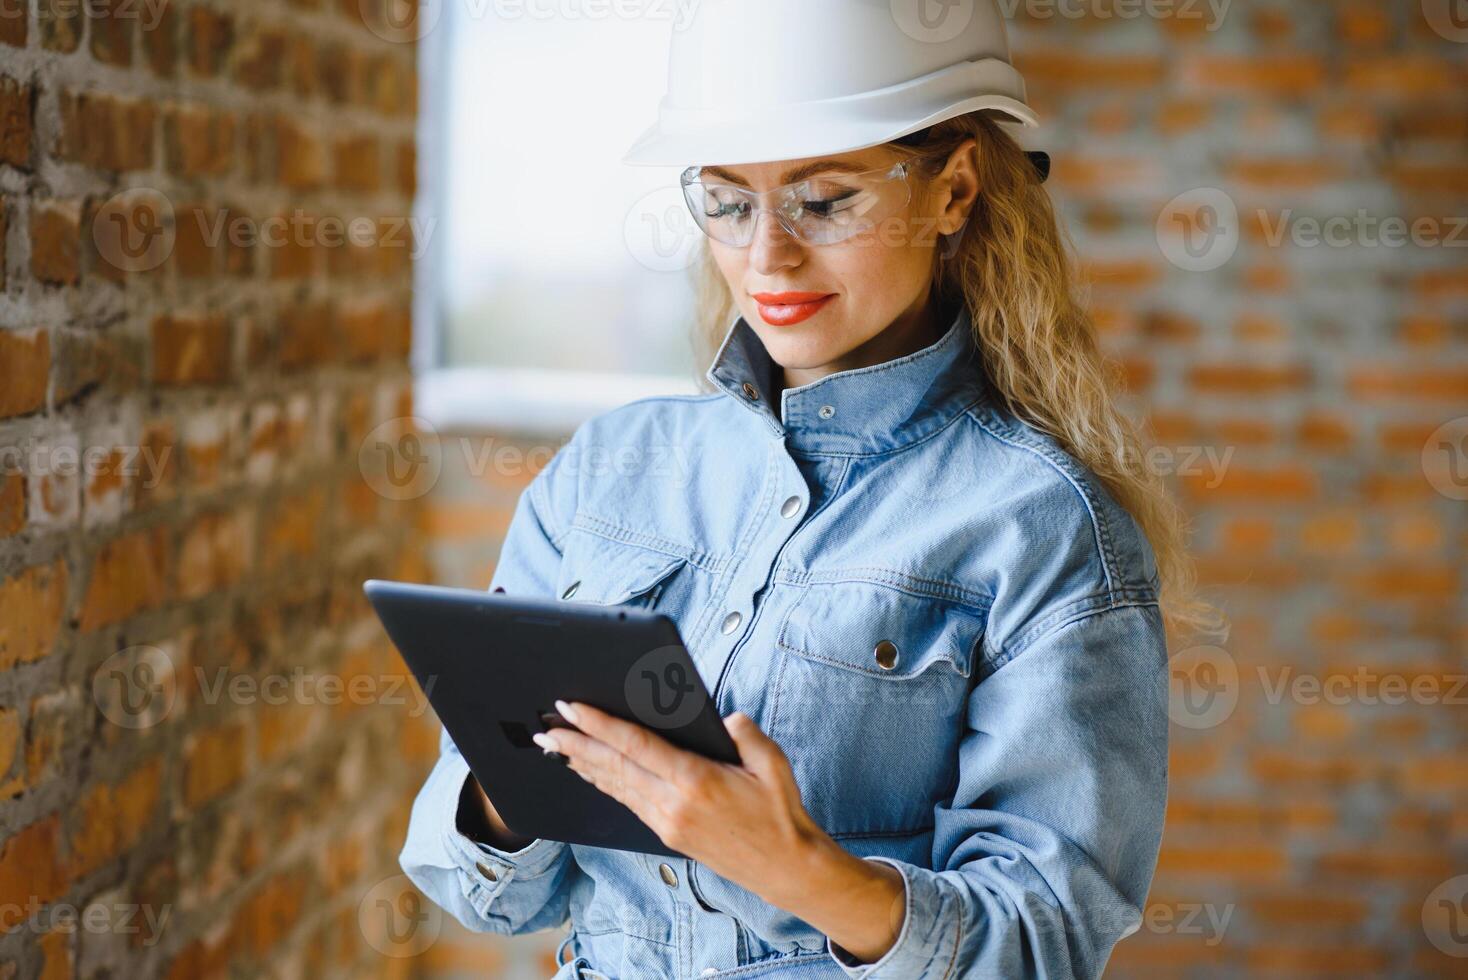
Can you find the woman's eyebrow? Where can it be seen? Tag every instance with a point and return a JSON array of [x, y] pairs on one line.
[[799, 173]]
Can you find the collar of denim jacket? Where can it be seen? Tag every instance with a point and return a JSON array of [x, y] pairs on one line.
[[860, 411]]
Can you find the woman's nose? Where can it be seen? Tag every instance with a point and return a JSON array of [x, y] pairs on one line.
[[772, 246]]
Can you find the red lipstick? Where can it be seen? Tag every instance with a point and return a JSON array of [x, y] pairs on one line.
[[787, 309]]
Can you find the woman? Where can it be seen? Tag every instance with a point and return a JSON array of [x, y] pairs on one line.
[[908, 539]]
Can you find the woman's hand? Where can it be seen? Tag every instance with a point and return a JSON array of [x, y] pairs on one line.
[[745, 822]]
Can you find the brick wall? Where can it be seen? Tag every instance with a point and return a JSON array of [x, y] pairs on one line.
[[200, 750], [1294, 389]]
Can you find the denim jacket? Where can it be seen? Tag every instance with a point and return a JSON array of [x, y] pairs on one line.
[[944, 621]]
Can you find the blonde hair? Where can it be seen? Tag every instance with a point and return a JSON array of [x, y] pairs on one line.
[[1012, 265]]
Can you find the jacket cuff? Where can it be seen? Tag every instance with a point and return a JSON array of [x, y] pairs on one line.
[[919, 942], [488, 867]]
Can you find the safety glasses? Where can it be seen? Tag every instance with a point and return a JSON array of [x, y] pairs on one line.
[[821, 210]]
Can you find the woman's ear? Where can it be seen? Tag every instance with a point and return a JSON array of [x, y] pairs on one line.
[[957, 187]]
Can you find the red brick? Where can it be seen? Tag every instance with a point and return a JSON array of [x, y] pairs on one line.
[[271, 913], [1290, 76], [12, 760], [113, 817], [407, 169], [46, 735], [14, 23], [61, 25], [306, 336], [56, 956], [214, 761], [160, 40], [86, 361], [1364, 24], [1070, 69], [129, 575], [1334, 532], [1272, 26], [1242, 378], [215, 553], [1406, 76], [32, 604], [16, 120], [1280, 484], [359, 163], [362, 332], [292, 529], [1255, 861], [261, 59], [1383, 862], [105, 132], [1329, 958], [1283, 173], [1177, 116], [1324, 432], [112, 30], [210, 35], [25, 363], [1424, 178], [31, 870], [1417, 384], [301, 156], [12, 504], [200, 141], [56, 241], [191, 350]]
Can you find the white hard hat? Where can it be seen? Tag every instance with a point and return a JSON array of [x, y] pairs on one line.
[[750, 81]]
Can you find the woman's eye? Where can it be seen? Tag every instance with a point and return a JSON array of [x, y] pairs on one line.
[[828, 207], [727, 210]]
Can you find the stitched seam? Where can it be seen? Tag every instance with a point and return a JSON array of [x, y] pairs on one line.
[[901, 581], [1081, 487], [915, 832], [886, 675], [957, 945], [540, 503], [623, 535], [1078, 617], [891, 450], [772, 963]]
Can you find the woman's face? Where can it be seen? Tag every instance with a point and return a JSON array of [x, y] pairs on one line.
[[875, 286]]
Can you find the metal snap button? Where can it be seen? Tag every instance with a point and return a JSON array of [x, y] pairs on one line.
[[731, 622], [571, 589], [708, 971], [886, 654], [826, 411], [751, 391], [487, 871], [789, 507], [669, 876]]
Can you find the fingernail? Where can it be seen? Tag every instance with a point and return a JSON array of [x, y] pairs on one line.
[[545, 741], [567, 712]]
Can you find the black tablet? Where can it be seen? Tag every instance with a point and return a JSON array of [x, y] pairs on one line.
[[492, 666]]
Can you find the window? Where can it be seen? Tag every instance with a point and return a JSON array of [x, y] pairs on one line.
[[545, 262]]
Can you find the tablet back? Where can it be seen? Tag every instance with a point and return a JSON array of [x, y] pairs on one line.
[[492, 666]]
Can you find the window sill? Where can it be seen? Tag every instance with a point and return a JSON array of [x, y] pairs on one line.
[[530, 401]]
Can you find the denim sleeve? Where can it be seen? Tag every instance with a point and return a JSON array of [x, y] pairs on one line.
[[484, 887], [1047, 852]]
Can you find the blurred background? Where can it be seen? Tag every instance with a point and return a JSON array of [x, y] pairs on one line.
[[303, 292]]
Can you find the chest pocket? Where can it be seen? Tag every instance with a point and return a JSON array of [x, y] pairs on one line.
[[598, 569], [871, 686]]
